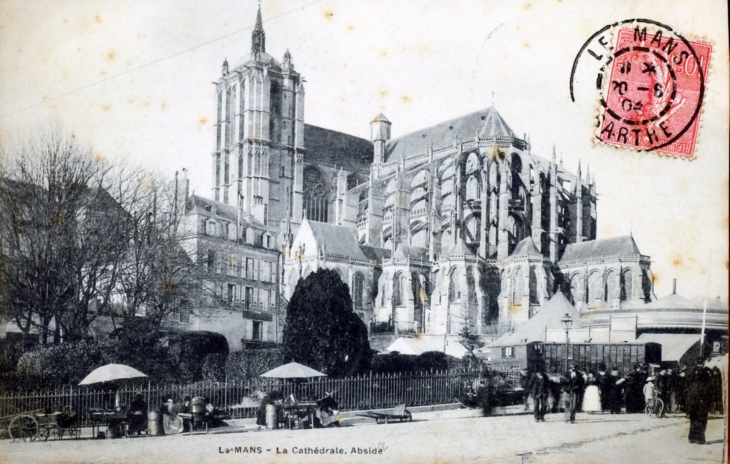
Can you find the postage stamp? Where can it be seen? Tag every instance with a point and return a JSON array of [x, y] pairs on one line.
[[652, 91]]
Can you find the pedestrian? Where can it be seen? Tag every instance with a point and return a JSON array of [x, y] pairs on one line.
[[615, 388], [524, 384], [264, 400], [662, 388], [633, 392], [592, 395], [716, 386], [602, 383], [649, 390], [680, 387], [539, 388], [573, 388], [672, 390], [698, 401]]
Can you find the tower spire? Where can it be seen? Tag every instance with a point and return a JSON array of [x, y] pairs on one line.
[[258, 36]]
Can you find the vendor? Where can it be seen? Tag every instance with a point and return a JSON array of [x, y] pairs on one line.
[[137, 415], [328, 410]]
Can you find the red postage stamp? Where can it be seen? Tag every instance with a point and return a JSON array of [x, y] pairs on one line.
[[652, 99]]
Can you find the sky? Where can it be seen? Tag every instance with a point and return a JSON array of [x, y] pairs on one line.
[[133, 80]]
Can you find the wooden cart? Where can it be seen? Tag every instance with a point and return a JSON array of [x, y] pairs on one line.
[[37, 426]]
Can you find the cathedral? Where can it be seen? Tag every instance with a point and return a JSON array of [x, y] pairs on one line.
[[460, 223]]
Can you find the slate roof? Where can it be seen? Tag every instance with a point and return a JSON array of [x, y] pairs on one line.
[[674, 346], [526, 247], [486, 122], [223, 210], [417, 346], [375, 253], [549, 317], [411, 252], [332, 148], [618, 246], [337, 240]]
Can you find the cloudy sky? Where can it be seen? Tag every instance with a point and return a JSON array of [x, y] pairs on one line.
[[133, 79]]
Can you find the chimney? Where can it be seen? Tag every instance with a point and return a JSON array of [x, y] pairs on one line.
[[674, 286]]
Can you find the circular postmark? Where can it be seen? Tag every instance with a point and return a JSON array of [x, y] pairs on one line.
[[651, 83]]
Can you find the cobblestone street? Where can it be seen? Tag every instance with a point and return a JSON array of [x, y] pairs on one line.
[[444, 436]]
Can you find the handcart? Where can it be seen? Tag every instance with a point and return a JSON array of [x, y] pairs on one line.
[[38, 426], [400, 413]]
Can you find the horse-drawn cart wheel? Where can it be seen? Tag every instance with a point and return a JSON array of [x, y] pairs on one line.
[[23, 428]]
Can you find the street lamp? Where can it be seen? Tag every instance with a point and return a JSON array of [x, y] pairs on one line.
[[567, 324]]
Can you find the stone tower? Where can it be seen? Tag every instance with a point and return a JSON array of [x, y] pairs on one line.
[[258, 156]]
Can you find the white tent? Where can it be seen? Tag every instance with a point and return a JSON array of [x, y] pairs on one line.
[[416, 346]]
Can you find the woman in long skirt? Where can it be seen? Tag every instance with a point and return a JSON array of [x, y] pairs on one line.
[[592, 396]]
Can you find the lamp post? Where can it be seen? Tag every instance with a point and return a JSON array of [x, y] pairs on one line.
[[567, 324]]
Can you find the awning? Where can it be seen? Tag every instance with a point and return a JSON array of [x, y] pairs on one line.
[[674, 346]]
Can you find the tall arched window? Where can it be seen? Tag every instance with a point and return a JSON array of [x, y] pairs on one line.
[[627, 285], [358, 285], [399, 286], [472, 188], [533, 287], [316, 194], [517, 286]]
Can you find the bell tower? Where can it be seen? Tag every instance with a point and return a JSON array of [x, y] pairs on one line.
[[259, 134]]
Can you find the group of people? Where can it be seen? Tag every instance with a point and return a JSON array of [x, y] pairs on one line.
[[696, 392]]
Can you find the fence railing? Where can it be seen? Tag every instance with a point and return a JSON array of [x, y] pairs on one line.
[[365, 392]]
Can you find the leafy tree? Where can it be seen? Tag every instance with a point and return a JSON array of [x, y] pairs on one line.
[[321, 329]]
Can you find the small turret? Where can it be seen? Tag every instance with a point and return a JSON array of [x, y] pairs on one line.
[[224, 69], [379, 134]]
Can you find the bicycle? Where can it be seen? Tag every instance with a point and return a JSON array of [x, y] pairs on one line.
[[654, 407]]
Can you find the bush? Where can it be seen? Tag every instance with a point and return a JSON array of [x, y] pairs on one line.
[[250, 364], [393, 362], [214, 367], [61, 365], [189, 349], [431, 360]]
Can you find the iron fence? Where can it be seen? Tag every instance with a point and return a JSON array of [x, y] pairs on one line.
[[238, 399]]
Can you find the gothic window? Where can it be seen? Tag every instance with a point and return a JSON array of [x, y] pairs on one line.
[[211, 227], [595, 287], [229, 96], [471, 286], [627, 285], [472, 163], [576, 284], [516, 172], [399, 288], [452, 286], [472, 188], [517, 286], [533, 287], [316, 192], [358, 286], [612, 290]]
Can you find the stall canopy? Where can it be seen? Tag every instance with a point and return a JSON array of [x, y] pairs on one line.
[[674, 346], [416, 346], [534, 329]]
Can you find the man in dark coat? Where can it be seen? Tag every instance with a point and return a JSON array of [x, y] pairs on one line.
[[539, 389], [614, 391], [602, 382], [633, 394], [698, 401], [574, 388], [662, 383]]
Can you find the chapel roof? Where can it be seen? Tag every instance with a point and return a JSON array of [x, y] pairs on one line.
[[526, 247], [337, 240], [617, 246]]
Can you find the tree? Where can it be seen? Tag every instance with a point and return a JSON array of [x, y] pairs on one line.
[[62, 235], [322, 331], [81, 237]]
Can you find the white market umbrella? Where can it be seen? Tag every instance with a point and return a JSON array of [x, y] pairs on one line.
[[292, 371], [111, 372]]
